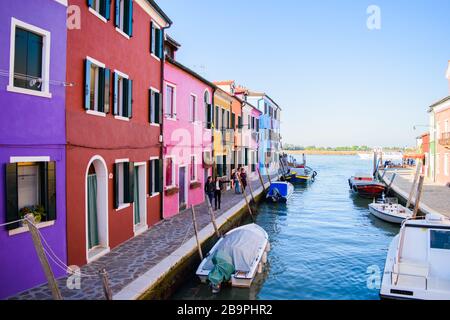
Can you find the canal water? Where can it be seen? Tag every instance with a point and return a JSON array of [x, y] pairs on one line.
[[325, 244]]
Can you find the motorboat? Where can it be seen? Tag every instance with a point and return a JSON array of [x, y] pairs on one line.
[[302, 174], [280, 191], [388, 209], [236, 258], [418, 260], [366, 186]]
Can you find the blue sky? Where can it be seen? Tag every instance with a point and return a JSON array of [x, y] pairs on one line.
[[337, 82]]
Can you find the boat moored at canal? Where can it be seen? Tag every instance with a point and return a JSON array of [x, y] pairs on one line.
[[280, 191], [390, 210], [236, 258], [418, 259], [366, 186]]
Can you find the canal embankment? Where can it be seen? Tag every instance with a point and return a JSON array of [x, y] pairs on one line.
[[153, 264], [435, 198]]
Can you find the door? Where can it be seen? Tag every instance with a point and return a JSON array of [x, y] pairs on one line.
[[182, 195], [93, 234], [137, 204]]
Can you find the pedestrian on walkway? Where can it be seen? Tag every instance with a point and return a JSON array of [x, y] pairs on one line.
[[210, 190], [243, 176], [237, 187], [219, 186]]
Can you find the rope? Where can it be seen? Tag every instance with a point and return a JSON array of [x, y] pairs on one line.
[[12, 222]]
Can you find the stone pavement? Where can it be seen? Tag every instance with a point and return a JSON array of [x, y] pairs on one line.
[[135, 257], [435, 198]]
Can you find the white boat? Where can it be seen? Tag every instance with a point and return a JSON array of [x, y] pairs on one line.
[[247, 247], [418, 261], [390, 210], [390, 156]]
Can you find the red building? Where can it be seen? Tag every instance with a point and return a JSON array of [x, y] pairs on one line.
[[114, 176]]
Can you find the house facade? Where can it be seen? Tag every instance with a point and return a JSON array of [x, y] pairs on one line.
[[114, 116], [32, 153], [187, 135]]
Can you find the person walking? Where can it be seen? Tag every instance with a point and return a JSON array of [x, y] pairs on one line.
[[243, 176], [237, 185], [210, 190], [219, 186]]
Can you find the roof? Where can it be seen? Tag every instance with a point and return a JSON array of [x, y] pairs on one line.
[[263, 94], [191, 72], [160, 11], [430, 108], [225, 82], [248, 103], [172, 41]]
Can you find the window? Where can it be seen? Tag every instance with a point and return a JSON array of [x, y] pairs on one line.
[[208, 110], [30, 187], [233, 121], [446, 163], [193, 169], [246, 156], [123, 95], [239, 122], [102, 7], [155, 177], [440, 239], [219, 166], [123, 184], [156, 40], [97, 89], [154, 106], [170, 102], [170, 173], [217, 117], [124, 16], [192, 108], [29, 59]]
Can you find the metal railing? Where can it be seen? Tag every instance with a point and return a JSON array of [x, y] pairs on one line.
[[445, 139]]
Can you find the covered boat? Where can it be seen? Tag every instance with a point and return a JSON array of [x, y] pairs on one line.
[[390, 210], [418, 260], [366, 186], [236, 258], [280, 191]]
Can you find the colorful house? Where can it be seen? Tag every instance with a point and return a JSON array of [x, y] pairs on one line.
[[32, 154], [269, 130], [187, 134], [223, 136], [114, 158]]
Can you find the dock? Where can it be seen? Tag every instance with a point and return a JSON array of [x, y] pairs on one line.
[[435, 198], [149, 264]]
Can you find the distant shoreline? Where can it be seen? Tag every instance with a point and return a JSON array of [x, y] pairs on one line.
[[325, 152]]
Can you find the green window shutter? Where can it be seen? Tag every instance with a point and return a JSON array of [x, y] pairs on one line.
[[209, 116], [129, 98], [158, 107], [161, 44], [117, 13], [116, 94], [12, 199], [128, 175], [150, 177], [101, 91], [87, 84], [107, 9], [233, 120], [129, 17], [107, 91], [90, 3], [48, 188], [116, 186], [159, 175], [124, 98], [150, 105], [151, 37]]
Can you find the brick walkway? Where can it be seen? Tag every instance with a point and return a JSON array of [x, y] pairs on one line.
[[435, 198], [133, 258]]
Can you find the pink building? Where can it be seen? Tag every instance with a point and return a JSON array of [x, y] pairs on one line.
[[186, 134]]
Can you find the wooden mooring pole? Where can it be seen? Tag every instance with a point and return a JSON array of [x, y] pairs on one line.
[[416, 178], [194, 221], [105, 283], [419, 196], [251, 190], [262, 180], [391, 183], [30, 221], [213, 217], [244, 193], [374, 163]]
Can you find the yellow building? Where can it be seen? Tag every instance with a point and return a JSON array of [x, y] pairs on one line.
[[223, 133]]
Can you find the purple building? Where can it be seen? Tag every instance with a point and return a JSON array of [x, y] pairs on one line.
[[32, 137]]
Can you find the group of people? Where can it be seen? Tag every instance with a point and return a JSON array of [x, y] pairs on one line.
[[214, 187]]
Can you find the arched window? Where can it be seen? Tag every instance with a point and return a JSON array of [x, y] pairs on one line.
[[208, 109]]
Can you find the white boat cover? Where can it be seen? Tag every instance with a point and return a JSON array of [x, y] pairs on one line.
[[242, 245]]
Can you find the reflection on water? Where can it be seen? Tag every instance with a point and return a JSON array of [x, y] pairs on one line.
[[323, 241]]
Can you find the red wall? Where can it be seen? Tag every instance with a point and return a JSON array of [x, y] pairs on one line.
[[108, 137]]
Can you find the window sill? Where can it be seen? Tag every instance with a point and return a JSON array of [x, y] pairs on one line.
[[42, 94], [155, 124], [98, 15], [96, 113], [96, 253], [25, 228], [171, 118], [155, 57], [123, 33], [121, 118], [153, 195], [123, 206]]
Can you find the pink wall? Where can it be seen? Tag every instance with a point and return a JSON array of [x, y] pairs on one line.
[[443, 176], [183, 138]]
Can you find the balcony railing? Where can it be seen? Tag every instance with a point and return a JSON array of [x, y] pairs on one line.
[[228, 136], [445, 140]]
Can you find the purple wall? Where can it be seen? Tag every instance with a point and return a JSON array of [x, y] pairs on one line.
[[32, 126]]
